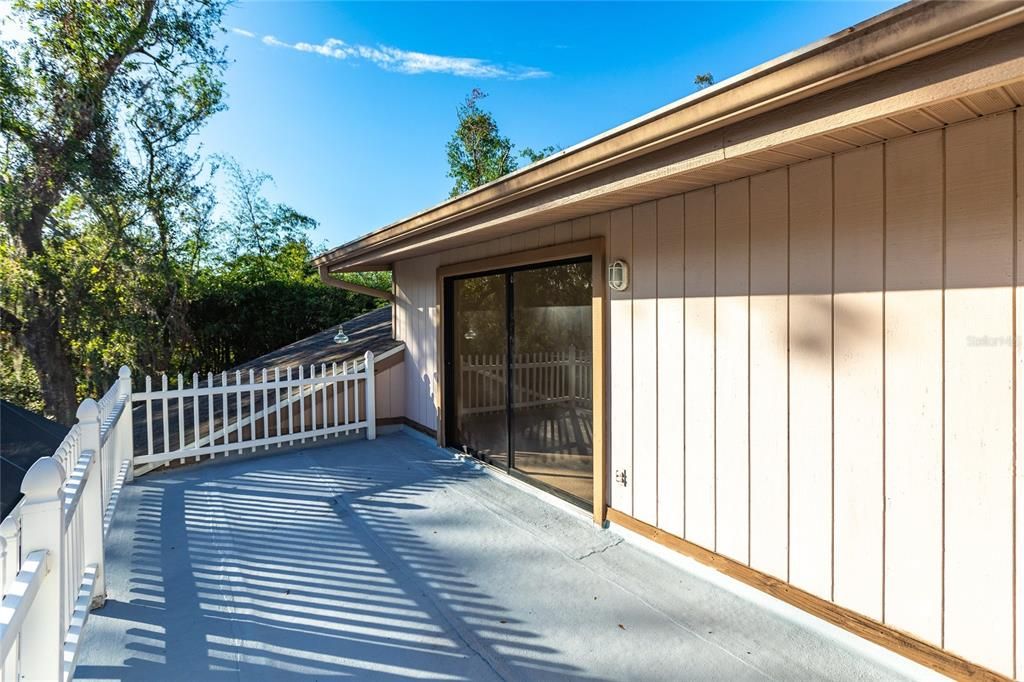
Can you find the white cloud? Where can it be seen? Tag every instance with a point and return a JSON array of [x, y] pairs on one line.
[[271, 40], [242, 32], [411, 62]]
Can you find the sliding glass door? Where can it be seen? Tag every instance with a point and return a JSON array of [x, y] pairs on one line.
[[519, 371], [478, 349]]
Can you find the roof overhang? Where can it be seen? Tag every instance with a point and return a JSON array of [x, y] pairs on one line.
[[818, 98]]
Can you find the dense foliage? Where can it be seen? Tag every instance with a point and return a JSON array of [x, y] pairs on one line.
[[113, 248]]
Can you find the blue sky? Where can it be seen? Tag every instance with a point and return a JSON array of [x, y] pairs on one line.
[[349, 106]]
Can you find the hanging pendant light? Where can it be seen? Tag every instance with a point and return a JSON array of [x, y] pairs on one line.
[[340, 337]]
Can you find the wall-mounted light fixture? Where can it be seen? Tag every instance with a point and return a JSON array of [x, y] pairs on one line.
[[618, 275]]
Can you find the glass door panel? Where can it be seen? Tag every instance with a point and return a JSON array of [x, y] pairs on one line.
[[552, 412], [478, 346]]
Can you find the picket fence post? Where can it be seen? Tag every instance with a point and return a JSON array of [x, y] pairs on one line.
[[371, 407], [92, 499], [12, 559], [42, 528], [127, 440]]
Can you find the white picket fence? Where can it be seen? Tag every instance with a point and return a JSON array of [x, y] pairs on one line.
[[539, 379], [52, 543], [255, 410]]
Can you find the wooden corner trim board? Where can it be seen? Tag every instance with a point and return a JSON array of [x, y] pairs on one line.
[[899, 642], [593, 248]]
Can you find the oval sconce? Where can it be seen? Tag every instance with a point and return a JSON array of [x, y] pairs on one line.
[[618, 275]]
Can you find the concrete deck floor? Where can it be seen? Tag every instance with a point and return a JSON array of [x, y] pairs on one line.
[[394, 559]]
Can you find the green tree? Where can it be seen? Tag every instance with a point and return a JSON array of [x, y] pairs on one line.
[[254, 225], [703, 80], [534, 155], [97, 103], [256, 303], [477, 152]]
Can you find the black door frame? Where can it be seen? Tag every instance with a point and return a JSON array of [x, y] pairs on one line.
[[449, 404]]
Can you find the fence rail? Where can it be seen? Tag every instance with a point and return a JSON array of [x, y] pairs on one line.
[[52, 543]]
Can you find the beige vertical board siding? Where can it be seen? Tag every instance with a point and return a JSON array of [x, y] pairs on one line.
[[1018, 390], [670, 365], [913, 384], [859, 417], [581, 228], [500, 246], [699, 221], [389, 397], [810, 378], [979, 392], [599, 226], [531, 239], [419, 332], [396, 315], [731, 395], [417, 320], [645, 362], [620, 245], [382, 394], [563, 232], [433, 402], [398, 390], [546, 235], [403, 275], [769, 376]]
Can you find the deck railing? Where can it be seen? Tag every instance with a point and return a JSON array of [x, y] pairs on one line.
[[52, 543]]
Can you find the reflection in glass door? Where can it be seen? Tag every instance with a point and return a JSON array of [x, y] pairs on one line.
[[519, 373], [552, 414], [477, 351]]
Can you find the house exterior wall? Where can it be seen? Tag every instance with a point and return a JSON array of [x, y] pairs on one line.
[[389, 392], [816, 372]]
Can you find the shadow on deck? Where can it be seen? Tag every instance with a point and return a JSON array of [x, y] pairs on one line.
[[393, 560]]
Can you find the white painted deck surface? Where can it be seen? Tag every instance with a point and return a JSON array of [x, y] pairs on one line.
[[391, 559]]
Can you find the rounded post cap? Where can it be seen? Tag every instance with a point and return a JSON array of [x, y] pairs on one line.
[[368, 355], [88, 411], [8, 527], [124, 372], [43, 479]]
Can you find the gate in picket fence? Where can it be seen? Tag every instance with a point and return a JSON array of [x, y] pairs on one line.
[[246, 411]]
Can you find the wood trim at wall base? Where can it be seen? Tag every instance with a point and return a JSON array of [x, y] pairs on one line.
[[405, 421], [901, 643]]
